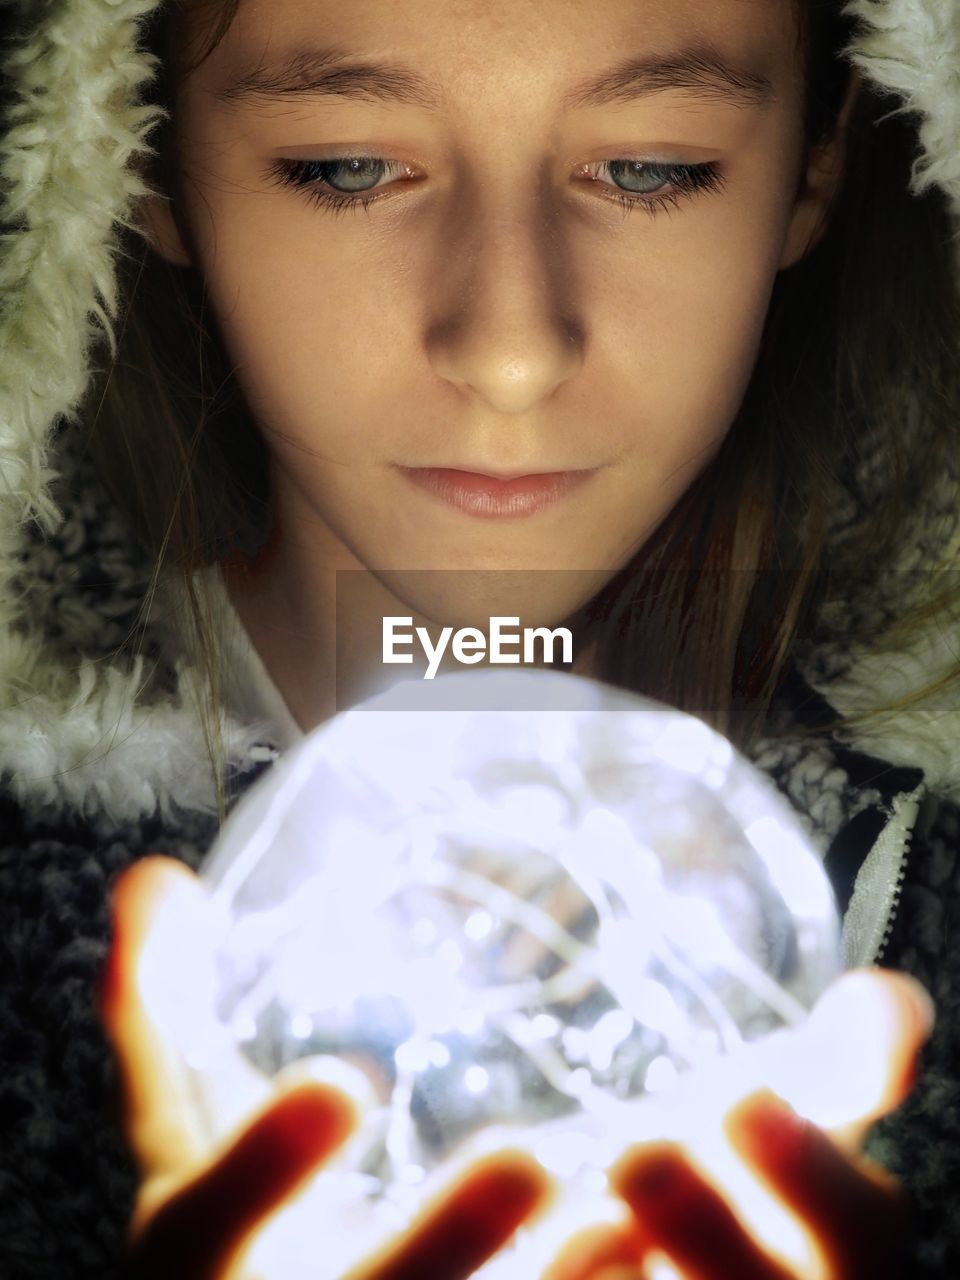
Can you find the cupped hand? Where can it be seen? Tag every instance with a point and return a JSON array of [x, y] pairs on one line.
[[199, 1209], [851, 1063]]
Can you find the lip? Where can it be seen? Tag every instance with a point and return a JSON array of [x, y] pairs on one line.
[[477, 494]]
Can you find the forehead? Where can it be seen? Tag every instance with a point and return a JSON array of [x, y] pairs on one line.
[[447, 49]]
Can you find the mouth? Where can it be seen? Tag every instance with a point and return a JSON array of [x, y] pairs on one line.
[[477, 493]]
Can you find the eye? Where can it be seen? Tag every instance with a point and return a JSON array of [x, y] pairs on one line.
[[653, 185], [341, 182], [345, 183], [638, 177], [349, 173]]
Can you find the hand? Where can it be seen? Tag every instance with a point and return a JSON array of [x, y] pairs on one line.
[[849, 1064], [198, 1210]]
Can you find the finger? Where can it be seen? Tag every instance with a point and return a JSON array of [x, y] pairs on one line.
[[903, 1020], [158, 1117], [198, 1232], [857, 1216], [601, 1253], [681, 1215], [467, 1225], [855, 1058]]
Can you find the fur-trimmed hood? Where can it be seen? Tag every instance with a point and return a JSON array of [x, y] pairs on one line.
[[76, 727]]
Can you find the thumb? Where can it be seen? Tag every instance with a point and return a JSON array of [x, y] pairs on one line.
[[155, 972], [855, 1057]]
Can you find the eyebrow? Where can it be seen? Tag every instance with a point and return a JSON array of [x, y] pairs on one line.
[[701, 70]]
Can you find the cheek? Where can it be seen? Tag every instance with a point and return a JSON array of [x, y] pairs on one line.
[[684, 326], [311, 328]]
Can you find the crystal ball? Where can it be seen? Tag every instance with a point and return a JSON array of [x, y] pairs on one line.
[[515, 901]]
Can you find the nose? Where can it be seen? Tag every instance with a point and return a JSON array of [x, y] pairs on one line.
[[505, 329]]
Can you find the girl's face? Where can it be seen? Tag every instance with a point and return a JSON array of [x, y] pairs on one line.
[[551, 248]]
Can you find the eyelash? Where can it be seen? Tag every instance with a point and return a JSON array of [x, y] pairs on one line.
[[687, 180]]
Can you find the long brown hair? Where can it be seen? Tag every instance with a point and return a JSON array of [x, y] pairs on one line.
[[709, 614]]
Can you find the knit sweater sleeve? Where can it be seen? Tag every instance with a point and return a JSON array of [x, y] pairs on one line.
[[66, 1181], [920, 1142]]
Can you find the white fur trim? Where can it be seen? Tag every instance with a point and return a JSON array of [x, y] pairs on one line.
[[912, 47], [94, 749], [64, 178], [925, 734]]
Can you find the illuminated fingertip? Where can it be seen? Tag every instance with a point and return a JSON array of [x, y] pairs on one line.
[[517, 1176], [874, 1000], [653, 1173], [850, 996], [311, 1120], [499, 1193], [858, 1021], [765, 1126], [149, 887], [639, 1154], [173, 886]]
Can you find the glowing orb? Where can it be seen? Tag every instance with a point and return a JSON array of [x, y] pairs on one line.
[[519, 919]]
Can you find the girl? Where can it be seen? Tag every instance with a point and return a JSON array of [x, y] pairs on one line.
[[658, 297]]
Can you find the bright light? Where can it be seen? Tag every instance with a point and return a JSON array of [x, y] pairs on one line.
[[539, 922], [476, 1079]]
